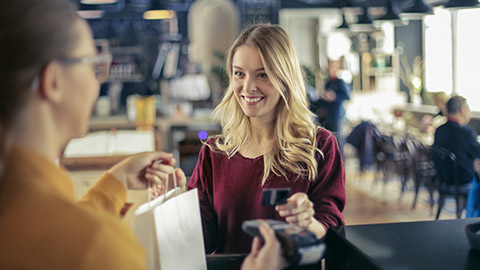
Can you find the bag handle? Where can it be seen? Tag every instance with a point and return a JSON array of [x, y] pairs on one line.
[[155, 195]]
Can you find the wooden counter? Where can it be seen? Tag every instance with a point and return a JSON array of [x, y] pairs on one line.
[[163, 126]]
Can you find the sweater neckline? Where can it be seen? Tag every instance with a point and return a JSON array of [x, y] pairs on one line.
[[249, 159]]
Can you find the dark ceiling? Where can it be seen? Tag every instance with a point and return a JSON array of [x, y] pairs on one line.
[[401, 4]]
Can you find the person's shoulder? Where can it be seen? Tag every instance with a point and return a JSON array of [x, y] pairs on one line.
[[212, 140], [323, 133], [210, 147], [443, 127], [211, 144], [325, 138], [469, 130]]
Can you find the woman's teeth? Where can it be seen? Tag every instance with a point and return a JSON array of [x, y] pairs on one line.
[[252, 100]]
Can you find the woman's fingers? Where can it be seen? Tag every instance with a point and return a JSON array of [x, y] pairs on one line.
[[163, 173], [156, 176], [256, 246], [166, 168], [268, 234], [156, 190], [180, 177], [298, 210]]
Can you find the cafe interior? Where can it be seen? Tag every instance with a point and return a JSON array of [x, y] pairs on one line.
[[396, 56]]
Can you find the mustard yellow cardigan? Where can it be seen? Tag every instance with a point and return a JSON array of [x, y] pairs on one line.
[[42, 226]]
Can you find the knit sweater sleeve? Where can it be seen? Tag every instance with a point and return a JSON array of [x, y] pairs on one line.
[[107, 194], [327, 191]]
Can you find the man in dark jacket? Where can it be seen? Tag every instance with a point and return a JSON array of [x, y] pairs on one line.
[[329, 107], [460, 139]]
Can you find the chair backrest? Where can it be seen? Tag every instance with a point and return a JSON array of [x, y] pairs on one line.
[[422, 161], [384, 147], [446, 165]]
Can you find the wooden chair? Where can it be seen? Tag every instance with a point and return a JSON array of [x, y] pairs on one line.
[[447, 173], [384, 157], [425, 172], [394, 157]]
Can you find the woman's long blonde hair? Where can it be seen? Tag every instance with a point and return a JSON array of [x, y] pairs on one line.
[[294, 148]]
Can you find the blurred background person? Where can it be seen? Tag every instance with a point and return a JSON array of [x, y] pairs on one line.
[[459, 138], [329, 107], [440, 100]]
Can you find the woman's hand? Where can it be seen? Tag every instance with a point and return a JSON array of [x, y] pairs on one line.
[[158, 189], [298, 210], [268, 257], [137, 171], [329, 95]]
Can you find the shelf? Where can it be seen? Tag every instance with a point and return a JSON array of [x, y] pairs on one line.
[[126, 50], [130, 78]]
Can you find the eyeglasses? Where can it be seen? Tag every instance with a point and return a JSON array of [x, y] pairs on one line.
[[100, 64]]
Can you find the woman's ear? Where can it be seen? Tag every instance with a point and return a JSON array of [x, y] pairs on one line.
[[51, 84]]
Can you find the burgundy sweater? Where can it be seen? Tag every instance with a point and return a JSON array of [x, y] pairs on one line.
[[230, 192]]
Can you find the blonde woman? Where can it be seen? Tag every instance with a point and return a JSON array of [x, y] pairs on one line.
[[268, 140]]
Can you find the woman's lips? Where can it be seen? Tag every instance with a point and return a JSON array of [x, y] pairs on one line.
[[252, 100]]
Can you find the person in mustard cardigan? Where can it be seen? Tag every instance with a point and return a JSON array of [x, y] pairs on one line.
[[50, 76]]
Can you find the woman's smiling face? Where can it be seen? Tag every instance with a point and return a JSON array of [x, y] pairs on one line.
[[253, 89]]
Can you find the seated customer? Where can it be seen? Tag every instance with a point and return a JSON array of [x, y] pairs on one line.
[[460, 139]]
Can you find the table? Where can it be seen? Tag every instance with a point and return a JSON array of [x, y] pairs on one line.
[[440, 244], [234, 262]]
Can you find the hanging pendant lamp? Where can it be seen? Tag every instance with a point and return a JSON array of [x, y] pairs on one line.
[[458, 4], [364, 23], [344, 25], [418, 7], [392, 15]]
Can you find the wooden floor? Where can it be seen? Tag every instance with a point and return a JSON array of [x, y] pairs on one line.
[[370, 201]]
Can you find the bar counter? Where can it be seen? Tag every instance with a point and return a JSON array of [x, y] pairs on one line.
[[440, 244]]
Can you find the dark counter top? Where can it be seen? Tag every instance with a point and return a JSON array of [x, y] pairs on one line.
[[437, 245]]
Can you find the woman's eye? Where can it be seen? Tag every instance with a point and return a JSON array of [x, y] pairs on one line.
[[263, 75], [237, 73]]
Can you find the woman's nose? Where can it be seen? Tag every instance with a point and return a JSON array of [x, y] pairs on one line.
[[250, 85]]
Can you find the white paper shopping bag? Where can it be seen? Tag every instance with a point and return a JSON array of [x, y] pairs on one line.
[[170, 229]]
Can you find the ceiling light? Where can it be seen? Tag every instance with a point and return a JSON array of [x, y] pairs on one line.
[[158, 14], [98, 2]]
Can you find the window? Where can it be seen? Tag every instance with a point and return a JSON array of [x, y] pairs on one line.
[[468, 56], [439, 72], [438, 52]]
